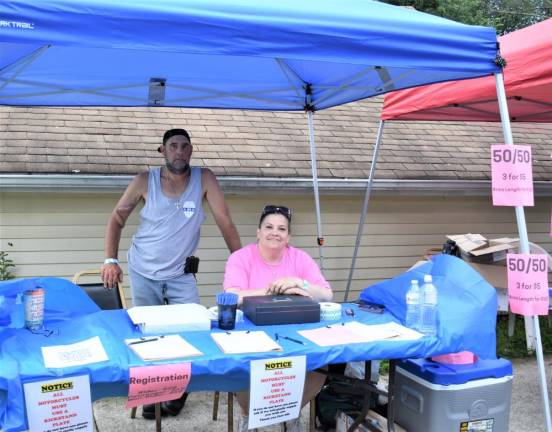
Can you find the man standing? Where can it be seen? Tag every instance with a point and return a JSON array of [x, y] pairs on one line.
[[168, 233]]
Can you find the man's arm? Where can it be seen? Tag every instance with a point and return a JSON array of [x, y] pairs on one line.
[[136, 190], [219, 209]]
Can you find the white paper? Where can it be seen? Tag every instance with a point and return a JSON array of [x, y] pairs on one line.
[[170, 318], [241, 342], [62, 404], [162, 348], [276, 387], [77, 354]]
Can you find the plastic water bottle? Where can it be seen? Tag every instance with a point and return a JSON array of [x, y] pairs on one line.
[[18, 314], [413, 306], [429, 307]]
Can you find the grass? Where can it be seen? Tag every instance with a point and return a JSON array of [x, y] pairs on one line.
[[515, 346]]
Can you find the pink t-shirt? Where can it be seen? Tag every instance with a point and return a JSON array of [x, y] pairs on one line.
[[245, 269]]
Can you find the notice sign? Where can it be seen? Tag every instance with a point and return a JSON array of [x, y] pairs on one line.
[[157, 383], [276, 390], [528, 283], [512, 175], [59, 405]]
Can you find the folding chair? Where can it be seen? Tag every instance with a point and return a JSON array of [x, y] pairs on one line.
[[109, 299], [106, 299]]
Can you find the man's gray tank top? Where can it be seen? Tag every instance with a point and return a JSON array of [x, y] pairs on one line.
[[169, 229]]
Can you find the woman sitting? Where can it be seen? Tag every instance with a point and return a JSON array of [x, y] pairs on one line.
[[271, 266]]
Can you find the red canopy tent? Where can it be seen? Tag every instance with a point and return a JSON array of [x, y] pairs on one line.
[[527, 78], [527, 97]]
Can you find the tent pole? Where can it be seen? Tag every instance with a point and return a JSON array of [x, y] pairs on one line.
[[524, 248], [364, 207], [320, 238]]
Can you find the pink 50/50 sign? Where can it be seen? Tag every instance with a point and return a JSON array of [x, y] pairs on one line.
[[512, 175]]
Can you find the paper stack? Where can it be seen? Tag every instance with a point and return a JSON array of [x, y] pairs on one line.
[[170, 318], [241, 342]]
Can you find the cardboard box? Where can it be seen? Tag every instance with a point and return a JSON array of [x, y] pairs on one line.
[[476, 248]]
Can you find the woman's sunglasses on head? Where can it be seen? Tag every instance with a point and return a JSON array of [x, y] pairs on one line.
[[271, 209]]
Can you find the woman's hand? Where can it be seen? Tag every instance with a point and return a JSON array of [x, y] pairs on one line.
[[287, 285]]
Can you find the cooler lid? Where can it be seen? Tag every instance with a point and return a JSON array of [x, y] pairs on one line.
[[447, 374]]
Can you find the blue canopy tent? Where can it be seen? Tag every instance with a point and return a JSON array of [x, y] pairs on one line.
[[298, 55]]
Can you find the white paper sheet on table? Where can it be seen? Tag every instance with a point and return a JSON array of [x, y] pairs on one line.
[[162, 348], [355, 332], [77, 354], [241, 342]]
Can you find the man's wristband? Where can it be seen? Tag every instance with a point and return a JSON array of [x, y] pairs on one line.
[[111, 261], [306, 285]]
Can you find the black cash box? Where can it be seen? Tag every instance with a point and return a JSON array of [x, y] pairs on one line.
[[281, 309]]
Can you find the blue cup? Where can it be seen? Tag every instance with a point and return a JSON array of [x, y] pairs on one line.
[[227, 304]]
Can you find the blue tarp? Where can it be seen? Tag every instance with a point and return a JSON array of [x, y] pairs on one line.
[[467, 304], [228, 53], [466, 324]]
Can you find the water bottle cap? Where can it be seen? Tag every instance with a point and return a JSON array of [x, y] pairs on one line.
[[414, 281], [428, 278]]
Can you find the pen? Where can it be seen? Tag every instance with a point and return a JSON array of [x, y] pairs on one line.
[[293, 340], [144, 341]]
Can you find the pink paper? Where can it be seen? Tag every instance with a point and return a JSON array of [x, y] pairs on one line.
[[157, 383], [462, 357], [528, 283], [512, 175]]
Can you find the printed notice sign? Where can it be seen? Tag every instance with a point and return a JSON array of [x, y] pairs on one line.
[[276, 390], [59, 405], [512, 175], [157, 383], [528, 283]]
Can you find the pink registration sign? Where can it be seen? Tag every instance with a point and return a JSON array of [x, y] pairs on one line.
[[528, 283], [157, 383], [512, 175]]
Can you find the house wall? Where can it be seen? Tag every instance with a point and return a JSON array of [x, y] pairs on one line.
[[59, 234]]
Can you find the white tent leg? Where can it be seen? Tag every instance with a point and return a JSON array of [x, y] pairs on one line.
[[367, 194], [320, 238], [524, 248]]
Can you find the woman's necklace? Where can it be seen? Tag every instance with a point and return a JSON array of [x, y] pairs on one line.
[[272, 266]]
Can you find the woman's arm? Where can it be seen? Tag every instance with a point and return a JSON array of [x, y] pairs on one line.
[[298, 286]]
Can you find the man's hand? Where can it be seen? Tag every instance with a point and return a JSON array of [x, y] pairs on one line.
[[111, 274], [287, 285]]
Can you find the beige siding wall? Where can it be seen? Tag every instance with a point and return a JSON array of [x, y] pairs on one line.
[[59, 234]]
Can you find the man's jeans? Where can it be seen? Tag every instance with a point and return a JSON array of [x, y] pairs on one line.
[[149, 292]]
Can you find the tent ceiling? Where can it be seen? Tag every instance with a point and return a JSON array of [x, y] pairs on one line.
[[227, 54], [527, 78]]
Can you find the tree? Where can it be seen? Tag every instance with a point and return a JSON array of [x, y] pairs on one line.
[[504, 15]]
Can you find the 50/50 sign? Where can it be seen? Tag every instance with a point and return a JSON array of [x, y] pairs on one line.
[[512, 175], [528, 283]]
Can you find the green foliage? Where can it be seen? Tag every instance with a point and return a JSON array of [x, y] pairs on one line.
[[6, 265], [516, 346], [504, 15]]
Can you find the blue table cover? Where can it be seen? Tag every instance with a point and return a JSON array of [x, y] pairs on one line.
[[73, 317]]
